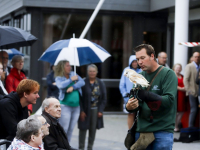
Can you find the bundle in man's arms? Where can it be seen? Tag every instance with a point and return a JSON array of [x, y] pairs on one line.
[[153, 100]]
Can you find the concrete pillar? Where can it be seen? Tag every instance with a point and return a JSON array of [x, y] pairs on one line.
[[181, 32], [127, 41], [106, 42]]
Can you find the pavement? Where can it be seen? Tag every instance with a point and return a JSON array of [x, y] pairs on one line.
[[111, 137]]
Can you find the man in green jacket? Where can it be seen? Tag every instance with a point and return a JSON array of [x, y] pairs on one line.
[[157, 107]]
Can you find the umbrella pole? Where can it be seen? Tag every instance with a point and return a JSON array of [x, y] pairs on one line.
[[74, 57]]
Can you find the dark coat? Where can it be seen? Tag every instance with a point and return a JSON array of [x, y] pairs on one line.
[[57, 138], [52, 90], [85, 104], [11, 113]]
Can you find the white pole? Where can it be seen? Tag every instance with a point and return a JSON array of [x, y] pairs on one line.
[[74, 57], [181, 32], [91, 19]]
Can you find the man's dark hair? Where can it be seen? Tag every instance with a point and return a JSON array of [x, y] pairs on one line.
[[149, 49]]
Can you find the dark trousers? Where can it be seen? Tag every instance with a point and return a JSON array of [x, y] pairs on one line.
[[193, 109], [92, 131]]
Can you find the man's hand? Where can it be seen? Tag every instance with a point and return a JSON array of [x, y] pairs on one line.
[[74, 78], [132, 104], [100, 114], [70, 89], [54, 83], [82, 116]]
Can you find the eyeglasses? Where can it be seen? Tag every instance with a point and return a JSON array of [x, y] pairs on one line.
[[164, 58], [45, 124]]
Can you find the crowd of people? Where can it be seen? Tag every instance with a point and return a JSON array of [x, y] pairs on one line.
[[71, 100], [82, 101]]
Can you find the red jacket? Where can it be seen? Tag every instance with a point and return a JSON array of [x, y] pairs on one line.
[[13, 80]]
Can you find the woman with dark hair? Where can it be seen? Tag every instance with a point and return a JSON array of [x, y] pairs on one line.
[[28, 136], [92, 106], [70, 92]]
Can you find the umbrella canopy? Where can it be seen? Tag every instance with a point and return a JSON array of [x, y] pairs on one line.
[[190, 44], [14, 37], [12, 52], [77, 51]]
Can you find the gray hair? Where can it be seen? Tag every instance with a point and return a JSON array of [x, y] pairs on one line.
[[92, 66], [45, 104], [26, 128], [36, 117], [161, 53], [16, 58]]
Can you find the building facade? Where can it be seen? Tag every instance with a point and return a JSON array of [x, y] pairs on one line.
[[119, 27]]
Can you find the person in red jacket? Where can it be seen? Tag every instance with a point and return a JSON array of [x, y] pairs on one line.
[[16, 75]]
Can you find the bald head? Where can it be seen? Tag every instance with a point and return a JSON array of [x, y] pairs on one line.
[[196, 57], [52, 107], [4, 58], [162, 58]]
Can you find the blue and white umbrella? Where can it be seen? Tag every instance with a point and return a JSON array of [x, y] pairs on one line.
[[78, 52], [12, 52]]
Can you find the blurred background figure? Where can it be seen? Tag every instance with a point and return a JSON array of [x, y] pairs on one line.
[[28, 136], [69, 86], [126, 85], [2, 89], [162, 59], [52, 89], [92, 105], [198, 83], [16, 75], [181, 96], [191, 87], [4, 60]]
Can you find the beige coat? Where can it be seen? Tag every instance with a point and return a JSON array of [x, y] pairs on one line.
[[189, 80]]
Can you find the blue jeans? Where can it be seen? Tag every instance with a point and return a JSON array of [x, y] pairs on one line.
[[163, 141], [69, 118]]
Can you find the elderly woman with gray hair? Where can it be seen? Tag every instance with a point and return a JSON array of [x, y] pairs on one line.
[[92, 106], [70, 92], [28, 136]]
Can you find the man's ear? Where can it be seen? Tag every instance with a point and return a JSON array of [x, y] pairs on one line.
[[46, 110], [152, 56], [25, 94]]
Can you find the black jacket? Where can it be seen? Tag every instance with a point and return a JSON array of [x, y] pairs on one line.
[[52, 90], [85, 104], [57, 138], [11, 113]]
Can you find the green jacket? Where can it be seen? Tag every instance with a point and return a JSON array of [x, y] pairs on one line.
[[165, 84]]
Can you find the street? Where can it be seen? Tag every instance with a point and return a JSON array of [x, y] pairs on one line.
[[111, 137]]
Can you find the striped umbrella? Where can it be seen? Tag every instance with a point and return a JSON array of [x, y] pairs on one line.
[[190, 44], [78, 52]]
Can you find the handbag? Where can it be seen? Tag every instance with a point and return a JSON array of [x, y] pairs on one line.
[[130, 137]]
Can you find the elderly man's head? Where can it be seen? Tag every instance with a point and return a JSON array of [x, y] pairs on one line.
[[45, 125], [29, 130], [52, 107], [162, 58], [4, 58]]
